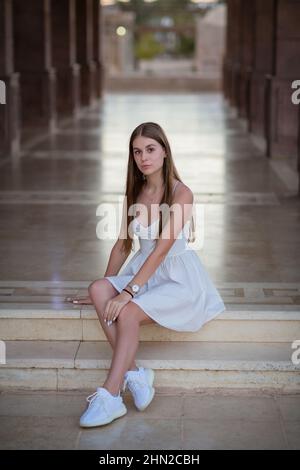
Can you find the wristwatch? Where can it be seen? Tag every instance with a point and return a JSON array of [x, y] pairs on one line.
[[134, 287]]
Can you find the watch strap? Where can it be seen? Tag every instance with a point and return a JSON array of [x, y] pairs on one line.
[[128, 292]]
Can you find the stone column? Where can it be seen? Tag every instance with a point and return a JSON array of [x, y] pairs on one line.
[[284, 126], [32, 27], [236, 52], [263, 69], [84, 42], [228, 53], [63, 24], [247, 37], [9, 86], [232, 63], [98, 35]]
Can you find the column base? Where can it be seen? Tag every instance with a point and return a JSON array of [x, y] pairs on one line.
[[68, 91], [88, 80], [99, 83], [38, 98]]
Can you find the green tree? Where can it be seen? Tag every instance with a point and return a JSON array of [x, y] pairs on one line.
[[147, 47], [186, 45]]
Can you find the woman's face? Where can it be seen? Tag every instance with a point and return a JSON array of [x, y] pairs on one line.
[[148, 154]]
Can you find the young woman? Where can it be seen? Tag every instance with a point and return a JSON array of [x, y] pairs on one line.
[[164, 282]]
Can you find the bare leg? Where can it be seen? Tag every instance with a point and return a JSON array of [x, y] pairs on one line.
[[100, 291], [128, 326]]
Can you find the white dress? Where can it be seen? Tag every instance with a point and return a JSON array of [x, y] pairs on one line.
[[179, 295]]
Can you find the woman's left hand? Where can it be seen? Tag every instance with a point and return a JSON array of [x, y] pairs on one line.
[[115, 305]]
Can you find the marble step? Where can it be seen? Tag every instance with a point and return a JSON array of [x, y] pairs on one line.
[[257, 323], [77, 365], [184, 82]]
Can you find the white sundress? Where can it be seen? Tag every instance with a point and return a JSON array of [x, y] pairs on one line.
[[179, 295]]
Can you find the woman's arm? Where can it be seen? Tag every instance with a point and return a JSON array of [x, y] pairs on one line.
[[183, 202], [116, 260], [117, 257]]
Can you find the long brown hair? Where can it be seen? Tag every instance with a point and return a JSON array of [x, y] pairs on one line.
[[135, 180]]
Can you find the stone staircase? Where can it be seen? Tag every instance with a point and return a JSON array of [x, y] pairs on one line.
[[54, 345]]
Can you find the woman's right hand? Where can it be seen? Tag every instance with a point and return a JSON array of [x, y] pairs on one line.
[[80, 300]]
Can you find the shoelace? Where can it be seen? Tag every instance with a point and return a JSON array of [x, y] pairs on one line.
[[134, 383], [91, 399]]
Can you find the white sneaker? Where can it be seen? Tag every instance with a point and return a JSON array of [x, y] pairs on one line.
[[103, 408], [140, 384]]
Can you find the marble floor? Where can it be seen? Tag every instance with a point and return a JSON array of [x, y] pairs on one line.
[[49, 420]]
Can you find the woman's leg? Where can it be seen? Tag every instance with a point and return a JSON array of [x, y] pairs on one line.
[[100, 291], [128, 325]]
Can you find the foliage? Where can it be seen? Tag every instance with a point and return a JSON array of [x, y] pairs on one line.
[[186, 45], [147, 47]]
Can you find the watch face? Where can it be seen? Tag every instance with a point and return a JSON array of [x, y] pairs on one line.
[[135, 288]]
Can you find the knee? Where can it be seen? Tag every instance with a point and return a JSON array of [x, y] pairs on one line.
[[95, 287]]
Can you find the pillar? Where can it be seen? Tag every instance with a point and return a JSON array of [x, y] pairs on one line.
[[85, 53], [63, 24], [32, 27], [284, 130], [10, 108], [263, 70], [98, 34]]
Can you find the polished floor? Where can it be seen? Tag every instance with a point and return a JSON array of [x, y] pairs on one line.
[[240, 420]]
